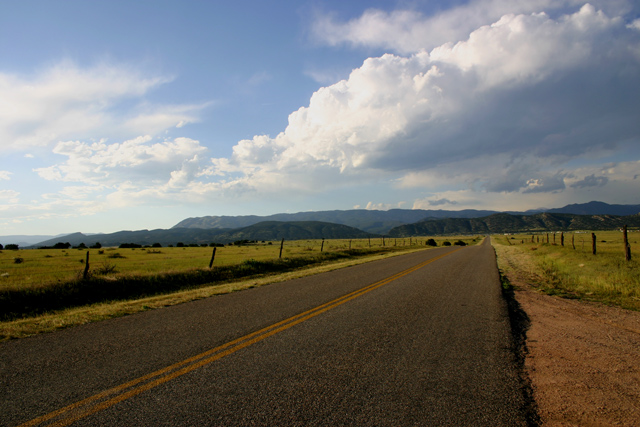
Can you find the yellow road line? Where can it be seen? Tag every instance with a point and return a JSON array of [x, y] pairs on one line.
[[77, 412]]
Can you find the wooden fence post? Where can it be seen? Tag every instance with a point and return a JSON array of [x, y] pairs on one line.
[[213, 256], [573, 241], [593, 243], [627, 248], [322, 245], [562, 238], [349, 244], [281, 245], [547, 238], [86, 267]]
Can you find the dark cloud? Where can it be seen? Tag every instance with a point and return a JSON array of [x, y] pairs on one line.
[[591, 181]]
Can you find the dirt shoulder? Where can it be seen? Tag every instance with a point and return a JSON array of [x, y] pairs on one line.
[[583, 358]]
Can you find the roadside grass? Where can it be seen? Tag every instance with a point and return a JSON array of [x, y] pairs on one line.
[[576, 273], [47, 291]]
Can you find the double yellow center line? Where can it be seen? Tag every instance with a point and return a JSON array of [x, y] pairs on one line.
[[81, 409]]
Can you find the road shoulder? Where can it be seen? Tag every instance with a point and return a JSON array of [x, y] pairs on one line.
[[582, 359]]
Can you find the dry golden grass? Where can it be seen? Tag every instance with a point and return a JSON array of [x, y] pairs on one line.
[[576, 273]]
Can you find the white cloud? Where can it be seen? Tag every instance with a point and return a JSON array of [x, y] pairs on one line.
[[136, 159], [408, 31], [66, 102], [5, 175], [9, 196], [501, 111]]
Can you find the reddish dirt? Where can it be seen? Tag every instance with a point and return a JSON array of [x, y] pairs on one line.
[[583, 360]]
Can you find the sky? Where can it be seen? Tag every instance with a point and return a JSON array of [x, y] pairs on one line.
[[125, 115]]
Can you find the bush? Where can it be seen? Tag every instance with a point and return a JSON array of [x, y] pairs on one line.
[[460, 243], [446, 243], [431, 242], [18, 260], [129, 246], [12, 247], [106, 268], [115, 255]]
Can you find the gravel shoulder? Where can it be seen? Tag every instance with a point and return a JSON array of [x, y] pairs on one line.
[[582, 358]]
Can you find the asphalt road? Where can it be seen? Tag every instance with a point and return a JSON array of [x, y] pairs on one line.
[[419, 339]]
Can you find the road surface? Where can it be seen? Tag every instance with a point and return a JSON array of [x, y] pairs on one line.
[[419, 339]]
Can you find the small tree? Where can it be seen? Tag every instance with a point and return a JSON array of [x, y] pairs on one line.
[[12, 247]]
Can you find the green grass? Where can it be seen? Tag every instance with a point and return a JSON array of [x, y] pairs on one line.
[[576, 273]]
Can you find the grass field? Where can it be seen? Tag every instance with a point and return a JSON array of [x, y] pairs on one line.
[[35, 268], [44, 289], [576, 273]]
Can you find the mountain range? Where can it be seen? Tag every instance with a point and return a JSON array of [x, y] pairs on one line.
[[357, 223], [507, 223]]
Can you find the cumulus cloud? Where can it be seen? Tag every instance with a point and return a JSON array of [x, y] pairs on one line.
[[529, 90], [66, 101], [136, 159], [497, 106], [591, 181], [408, 31], [5, 175]]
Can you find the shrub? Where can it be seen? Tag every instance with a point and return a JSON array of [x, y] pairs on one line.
[[12, 247], [431, 242], [115, 255], [129, 246], [460, 243], [106, 268], [18, 260], [446, 243]]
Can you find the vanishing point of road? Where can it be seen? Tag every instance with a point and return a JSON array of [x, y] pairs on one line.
[[421, 339]]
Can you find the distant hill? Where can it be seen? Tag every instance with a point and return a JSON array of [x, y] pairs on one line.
[[224, 229], [371, 221], [598, 208], [293, 230], [267, 231], [380, 222], [507, 223], [24, 240]]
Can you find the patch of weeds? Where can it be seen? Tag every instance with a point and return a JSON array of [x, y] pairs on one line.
[[106, 268], [116, 255], [18, 260]]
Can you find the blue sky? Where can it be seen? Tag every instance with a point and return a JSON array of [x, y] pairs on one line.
[[129, 115]]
